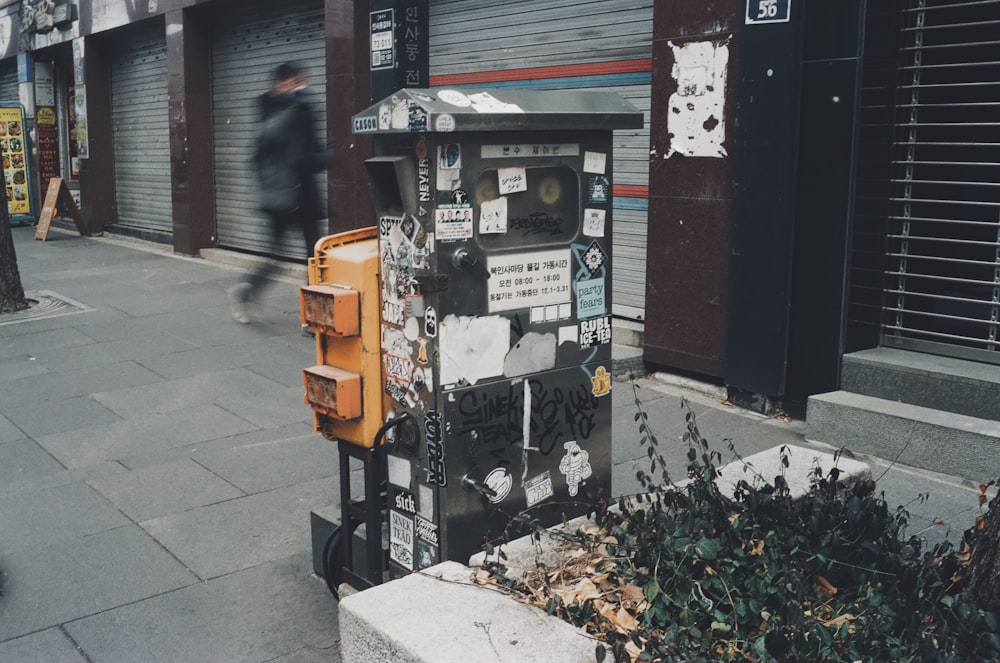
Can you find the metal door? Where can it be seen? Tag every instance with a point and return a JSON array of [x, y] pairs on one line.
[[248, 42], [140, 130]]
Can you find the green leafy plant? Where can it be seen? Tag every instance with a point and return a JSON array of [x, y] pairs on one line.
[[685, 573]]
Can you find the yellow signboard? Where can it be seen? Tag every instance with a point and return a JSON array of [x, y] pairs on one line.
[[14, 149]]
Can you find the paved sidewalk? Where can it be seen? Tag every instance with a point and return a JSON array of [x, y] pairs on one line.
[[158, 465]]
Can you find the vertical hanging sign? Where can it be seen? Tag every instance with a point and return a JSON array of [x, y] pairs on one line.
[[415, 43], [383, 47], [398, 45]]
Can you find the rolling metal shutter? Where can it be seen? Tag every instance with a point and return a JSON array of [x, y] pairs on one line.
[[8, 80], [140, 137], [589, 44], [249, 42], [942, 290]]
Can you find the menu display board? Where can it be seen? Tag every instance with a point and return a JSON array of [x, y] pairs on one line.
[[14, 150], [47, 142]]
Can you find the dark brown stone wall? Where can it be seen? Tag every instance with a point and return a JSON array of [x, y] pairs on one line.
[[690, 205]]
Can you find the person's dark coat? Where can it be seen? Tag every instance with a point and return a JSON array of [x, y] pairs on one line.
[[288, 156]]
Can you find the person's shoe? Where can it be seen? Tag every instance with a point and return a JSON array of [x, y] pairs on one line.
[[240, 306]]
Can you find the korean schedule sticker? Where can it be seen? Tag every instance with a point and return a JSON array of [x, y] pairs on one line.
[[525, 280]]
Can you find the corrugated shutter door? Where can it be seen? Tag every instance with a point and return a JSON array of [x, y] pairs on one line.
[[141, 141], [249, 42], [589, 44], [8, 80], [560, 44], [942, 290]]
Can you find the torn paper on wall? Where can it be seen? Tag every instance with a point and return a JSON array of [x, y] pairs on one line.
[[473, 348], [695, 119]]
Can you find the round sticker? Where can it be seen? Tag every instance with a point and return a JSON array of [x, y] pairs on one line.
[[454, 97], [444, 123], [500, 481]]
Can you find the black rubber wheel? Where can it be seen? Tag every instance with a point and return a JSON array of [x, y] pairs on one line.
[[333, 561]]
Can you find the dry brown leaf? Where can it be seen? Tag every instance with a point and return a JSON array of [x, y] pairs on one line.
[[632, 593], [840, 620], [625, 622], [823, 586], [584, 590]]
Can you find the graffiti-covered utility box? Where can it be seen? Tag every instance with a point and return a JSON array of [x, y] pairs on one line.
[[494, 211]]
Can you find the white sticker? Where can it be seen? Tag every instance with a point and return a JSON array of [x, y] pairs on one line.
[[484, 102], [696, 122], [401, 539], [512, 179], [455, 98], [493, 216], [452, 222], [425, 499], [473, 348], [500, 482], [530, 150], [523, 280], [593, 222], [594, 162], [539, 488], [575, 466], [444, 123], [399, 471]]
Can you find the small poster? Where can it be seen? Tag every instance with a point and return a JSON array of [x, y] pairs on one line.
[[382, 42], [452, 223], [493, 216], [525, 280], [593, 222], [512, 180], [594, 162]]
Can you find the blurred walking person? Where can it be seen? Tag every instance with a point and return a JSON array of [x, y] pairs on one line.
[[287, 158]]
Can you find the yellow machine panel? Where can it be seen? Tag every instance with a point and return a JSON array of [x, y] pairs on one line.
[[344, 267]]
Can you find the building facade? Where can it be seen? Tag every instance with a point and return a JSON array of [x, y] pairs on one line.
[[811, 181]]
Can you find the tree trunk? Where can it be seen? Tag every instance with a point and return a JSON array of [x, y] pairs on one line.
[[984, 567], [11, 291]]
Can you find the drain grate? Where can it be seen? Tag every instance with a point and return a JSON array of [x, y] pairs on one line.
[[44, 304]]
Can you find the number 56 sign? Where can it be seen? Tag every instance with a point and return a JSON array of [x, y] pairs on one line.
[[768, 11]]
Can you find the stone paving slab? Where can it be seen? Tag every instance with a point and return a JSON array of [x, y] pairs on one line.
[[24, 459], [41, 416], [231, 536], [159, 490], [60, 514], [259, 614], [47, 586], [48, 646], [274, 463], [8, 431], [142, 435]]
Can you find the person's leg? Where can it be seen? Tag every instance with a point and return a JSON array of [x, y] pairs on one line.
[[259, 278], [248, 291]]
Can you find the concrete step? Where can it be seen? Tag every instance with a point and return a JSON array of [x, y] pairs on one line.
[[914, 435], [941, 383]]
